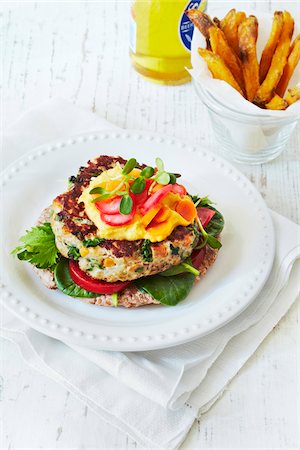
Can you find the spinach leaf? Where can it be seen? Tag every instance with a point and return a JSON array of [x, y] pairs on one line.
[[201, 201], [185, 266], [167, 290], [65, 283], [216, 224]]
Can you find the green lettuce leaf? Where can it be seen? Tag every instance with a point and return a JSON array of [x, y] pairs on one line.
[[38, 247]]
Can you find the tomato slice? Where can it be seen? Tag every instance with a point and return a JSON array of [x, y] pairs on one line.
[[178, 189], [198, 257], [156, 198], [90, 284], [117, 220], [205, 215], [109, 207]]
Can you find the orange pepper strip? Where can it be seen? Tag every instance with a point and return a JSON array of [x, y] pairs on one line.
[[135, 173], [146, 219], [186, 209], [162, 215], [157, 187]]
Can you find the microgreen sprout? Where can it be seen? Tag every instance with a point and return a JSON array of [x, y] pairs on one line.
[[126, 204], [208, 238], [129, 166], [135, 185], [138, 185]]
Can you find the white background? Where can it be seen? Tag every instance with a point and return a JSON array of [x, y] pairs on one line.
[[79, 51]]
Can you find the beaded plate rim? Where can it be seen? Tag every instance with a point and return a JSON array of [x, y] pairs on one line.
[[144, 342]]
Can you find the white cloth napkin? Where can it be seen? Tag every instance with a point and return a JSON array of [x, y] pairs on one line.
[[153, 396]]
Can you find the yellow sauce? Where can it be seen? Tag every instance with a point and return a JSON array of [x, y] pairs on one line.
[[136, 229]]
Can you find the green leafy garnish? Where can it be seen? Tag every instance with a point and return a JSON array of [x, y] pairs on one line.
[[73, 252], [126, 205], [65, 283], [97, 190], [172, 178], [92, 242], [101, 198], [147, 172], [208, 238], [167, 290], [38, 247], [159, 164], [129, 166], [138, 185], [163, 178], [201, 201], [146, 250], [215, 225]]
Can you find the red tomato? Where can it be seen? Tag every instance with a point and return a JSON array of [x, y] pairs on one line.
[[90, 284], [198, 257], [205, 215], [109, 207], [156, 198], [178, 189], [116, 220]]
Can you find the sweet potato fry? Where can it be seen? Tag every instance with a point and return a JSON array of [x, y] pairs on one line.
[[268, 52], [218, 68], [240, 16], [247, 34], [292, 62], [293, 95], [267, 89], [216, 21], [277, 102], [229, 27], [221, 47], [201, 20]]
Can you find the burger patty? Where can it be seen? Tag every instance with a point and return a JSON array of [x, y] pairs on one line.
[[106, 259], [131, 297]]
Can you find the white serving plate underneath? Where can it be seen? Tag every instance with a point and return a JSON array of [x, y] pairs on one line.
[[241, 269]]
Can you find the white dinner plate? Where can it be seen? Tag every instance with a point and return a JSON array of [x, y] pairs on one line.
[[239, 273]]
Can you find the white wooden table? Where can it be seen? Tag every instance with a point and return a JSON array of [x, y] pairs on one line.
[[78, 50]]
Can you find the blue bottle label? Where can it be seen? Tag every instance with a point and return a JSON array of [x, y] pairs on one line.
[[186, 28]]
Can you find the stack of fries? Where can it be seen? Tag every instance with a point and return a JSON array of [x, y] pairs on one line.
[[230, 55]]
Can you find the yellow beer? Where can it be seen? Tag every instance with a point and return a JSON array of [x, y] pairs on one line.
[[160, 37]]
